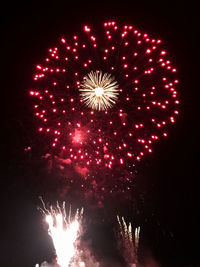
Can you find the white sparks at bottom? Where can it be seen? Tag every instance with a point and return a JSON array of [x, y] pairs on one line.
[[64, 232], [63, 238]]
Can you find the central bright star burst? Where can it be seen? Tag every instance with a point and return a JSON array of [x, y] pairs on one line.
[[99, 91]]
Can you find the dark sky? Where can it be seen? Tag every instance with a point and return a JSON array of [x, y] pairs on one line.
[[171, 174]]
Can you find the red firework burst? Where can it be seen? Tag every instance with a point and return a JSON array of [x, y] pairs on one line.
[[122, 130]]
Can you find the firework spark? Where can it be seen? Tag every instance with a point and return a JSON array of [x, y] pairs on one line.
[[129, 240], [64, 231], [99, 91]]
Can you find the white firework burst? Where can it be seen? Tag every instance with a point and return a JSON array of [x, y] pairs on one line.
[[99, 91]]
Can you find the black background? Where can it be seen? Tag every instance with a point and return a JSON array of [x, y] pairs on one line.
[[27, 29]]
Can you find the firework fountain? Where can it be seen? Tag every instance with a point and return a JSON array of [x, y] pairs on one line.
[[64, 231], [128, 241]]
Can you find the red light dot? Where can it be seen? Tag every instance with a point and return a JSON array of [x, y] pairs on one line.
[[39, 67], [87, 29]]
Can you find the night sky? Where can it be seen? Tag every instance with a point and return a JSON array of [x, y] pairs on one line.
[[170, 177]]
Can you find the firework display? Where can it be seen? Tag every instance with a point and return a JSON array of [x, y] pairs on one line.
[[104, 98]]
